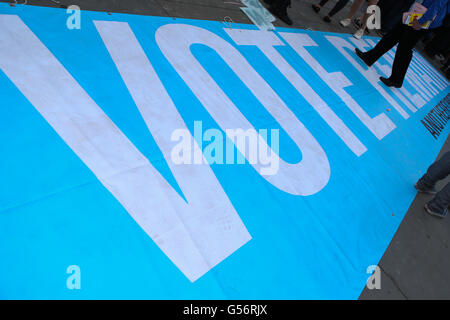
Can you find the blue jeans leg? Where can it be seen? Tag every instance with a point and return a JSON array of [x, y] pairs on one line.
[[439, 170], [441, 200]]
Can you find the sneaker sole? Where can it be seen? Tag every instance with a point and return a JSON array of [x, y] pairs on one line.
[[431, 213], [390, 85], [424, 191]]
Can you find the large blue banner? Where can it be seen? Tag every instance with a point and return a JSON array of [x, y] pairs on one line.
[[157, 158]]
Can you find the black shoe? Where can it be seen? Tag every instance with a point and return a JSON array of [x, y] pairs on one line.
[[363, 57], [285, 18], [389, 83], [419, 187], [280, 14], [316, 8], [434, 212], [327, 19]]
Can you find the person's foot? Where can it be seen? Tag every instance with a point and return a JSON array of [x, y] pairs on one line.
[[359, 34], [363, 57], [435, 213], [389, 83], [280, 14], [316, 7], [327, 19], [357, 23], [345, 23], [421, 189]]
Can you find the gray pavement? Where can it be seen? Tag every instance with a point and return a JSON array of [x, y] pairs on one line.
[[416, 265], [301, 12]]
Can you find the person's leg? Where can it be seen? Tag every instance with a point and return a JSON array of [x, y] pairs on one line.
[[384, 45], [439, 204], [366, 15], [439, 170], [393, 14], [384, 4], [357, 4], [353, 9], [360, 32], [439, 43], [317, 7], [446, 67], [404, 54], [338, 7], [279, 9]]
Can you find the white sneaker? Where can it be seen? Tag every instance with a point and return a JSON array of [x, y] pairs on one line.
[[345, 22], [358, 34]]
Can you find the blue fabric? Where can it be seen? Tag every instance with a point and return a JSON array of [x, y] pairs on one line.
[[438, 8], [54, 212]]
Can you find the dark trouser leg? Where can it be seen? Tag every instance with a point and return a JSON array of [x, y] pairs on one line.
[[279, 4], [439, 170], [279, 9], [440, 42], [404, 53], [323, 2], [392, 12], [282, 4], [386, 43], [441, 200], [338, 7]]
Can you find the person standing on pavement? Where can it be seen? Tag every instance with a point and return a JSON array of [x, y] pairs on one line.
[[279, 9], [439, 170], [440, 43], [406, 37], [357, 4], [338, 7]]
